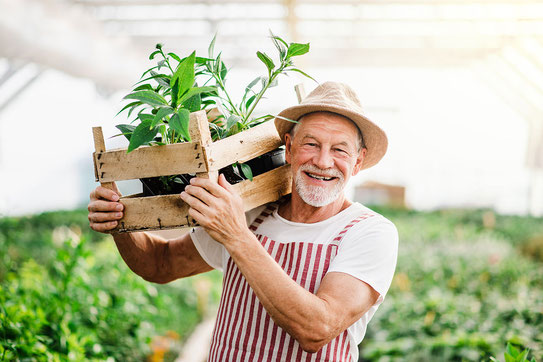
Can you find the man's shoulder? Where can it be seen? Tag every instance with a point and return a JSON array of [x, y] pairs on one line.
[[369, 219]]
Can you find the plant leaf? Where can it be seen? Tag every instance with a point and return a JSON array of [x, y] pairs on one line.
[[175, 56], [185, 74], [160, 78], [512, 350], [232, 121], [249, 101], [161, 113], [252, 84], [175, 93], [224, 70], [149, 97], [196, 90], [296, 49], [126, 129], [142, 135], [143, 87], [132, 104], [147, 71], [282, 48], [146, 117], [152, 55], [246, 170], [303, 73], [193, 104], [202, 60], [211, 47], [266, 60], [180, 123]]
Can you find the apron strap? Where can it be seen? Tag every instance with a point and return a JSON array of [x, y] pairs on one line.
[[342, 233], [268, 210]]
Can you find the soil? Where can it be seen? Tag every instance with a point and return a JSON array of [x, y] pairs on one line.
[[165, 185]]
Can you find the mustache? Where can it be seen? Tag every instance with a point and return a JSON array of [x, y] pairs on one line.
[[328, 172]]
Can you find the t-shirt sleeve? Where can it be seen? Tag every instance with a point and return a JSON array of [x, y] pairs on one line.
[[369, 251], [211, 251]]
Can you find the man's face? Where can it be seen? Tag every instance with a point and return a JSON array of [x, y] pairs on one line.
[[324, 155]]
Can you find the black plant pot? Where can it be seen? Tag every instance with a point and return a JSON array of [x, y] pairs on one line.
[[165, 185], [267, 161]]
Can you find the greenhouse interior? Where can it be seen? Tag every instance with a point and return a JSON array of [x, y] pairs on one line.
[[456, 85]]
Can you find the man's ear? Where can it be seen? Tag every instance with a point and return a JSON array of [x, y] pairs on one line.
[[359, 161], [288, 146]]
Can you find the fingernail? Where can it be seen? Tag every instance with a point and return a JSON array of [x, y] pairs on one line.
[[119, 207], [118, 214], [115, 197]]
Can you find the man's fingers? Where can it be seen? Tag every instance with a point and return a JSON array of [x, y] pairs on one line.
[[103, 227], [209, 185], [195, 202], [200, 193], [105, 194], [101, 217], [101, 205], [224, 183]]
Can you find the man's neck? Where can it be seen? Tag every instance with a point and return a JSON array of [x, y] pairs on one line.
[[296, 210]]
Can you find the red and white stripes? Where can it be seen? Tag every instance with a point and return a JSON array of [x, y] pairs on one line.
[[245, 332]]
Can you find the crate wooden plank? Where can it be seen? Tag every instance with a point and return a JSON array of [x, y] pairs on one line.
[[169, 211], [268, 187], [243, 146], [199, 131], [150, 161], [99, 146], [154, 213]]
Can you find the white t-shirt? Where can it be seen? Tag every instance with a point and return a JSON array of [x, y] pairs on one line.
[[368, 250]]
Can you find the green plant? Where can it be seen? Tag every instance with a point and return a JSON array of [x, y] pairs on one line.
[[513, 354], [167, 94], [239, 117], [79, 301], [164, 107]]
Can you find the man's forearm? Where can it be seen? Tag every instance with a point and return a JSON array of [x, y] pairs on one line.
[[140, 251]]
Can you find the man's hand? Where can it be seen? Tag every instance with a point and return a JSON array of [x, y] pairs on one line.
[[218, 208], [104, 209]]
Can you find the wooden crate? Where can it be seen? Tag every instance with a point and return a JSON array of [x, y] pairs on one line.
[[200, 156]]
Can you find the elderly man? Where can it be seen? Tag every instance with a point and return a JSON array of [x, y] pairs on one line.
[[303, 276]]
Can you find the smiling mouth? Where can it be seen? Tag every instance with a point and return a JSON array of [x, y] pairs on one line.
[[320, 178]]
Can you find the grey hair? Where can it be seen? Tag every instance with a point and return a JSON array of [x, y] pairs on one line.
[[361, 144]]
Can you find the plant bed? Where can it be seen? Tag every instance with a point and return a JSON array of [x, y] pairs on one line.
[[200, 157]]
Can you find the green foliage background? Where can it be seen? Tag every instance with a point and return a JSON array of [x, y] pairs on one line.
[[463, 288], [66, 294], [467, 282]]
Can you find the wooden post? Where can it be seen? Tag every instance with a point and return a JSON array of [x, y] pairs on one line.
[[199, 132], [300, 92], [99, 147]]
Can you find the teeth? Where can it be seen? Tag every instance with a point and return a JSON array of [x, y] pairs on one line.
[[320, 177]]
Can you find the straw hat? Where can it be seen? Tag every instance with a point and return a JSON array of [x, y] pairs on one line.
[[338, 98]]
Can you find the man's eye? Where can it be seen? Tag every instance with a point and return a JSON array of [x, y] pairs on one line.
[[341, 150], [311, 144]]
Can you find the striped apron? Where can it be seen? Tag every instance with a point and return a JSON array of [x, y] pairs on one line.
[[245, 332]]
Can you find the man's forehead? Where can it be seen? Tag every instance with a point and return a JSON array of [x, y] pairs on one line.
[[334, 122]]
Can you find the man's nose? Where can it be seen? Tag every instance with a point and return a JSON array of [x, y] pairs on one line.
[[323, 159]]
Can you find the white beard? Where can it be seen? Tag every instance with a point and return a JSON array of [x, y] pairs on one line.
[[318, 196]]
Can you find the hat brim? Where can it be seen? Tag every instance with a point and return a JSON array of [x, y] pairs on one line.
[[375, 138]]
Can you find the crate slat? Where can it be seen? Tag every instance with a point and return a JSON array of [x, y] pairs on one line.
[[243, 146], [149, 161], [169, 211]]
